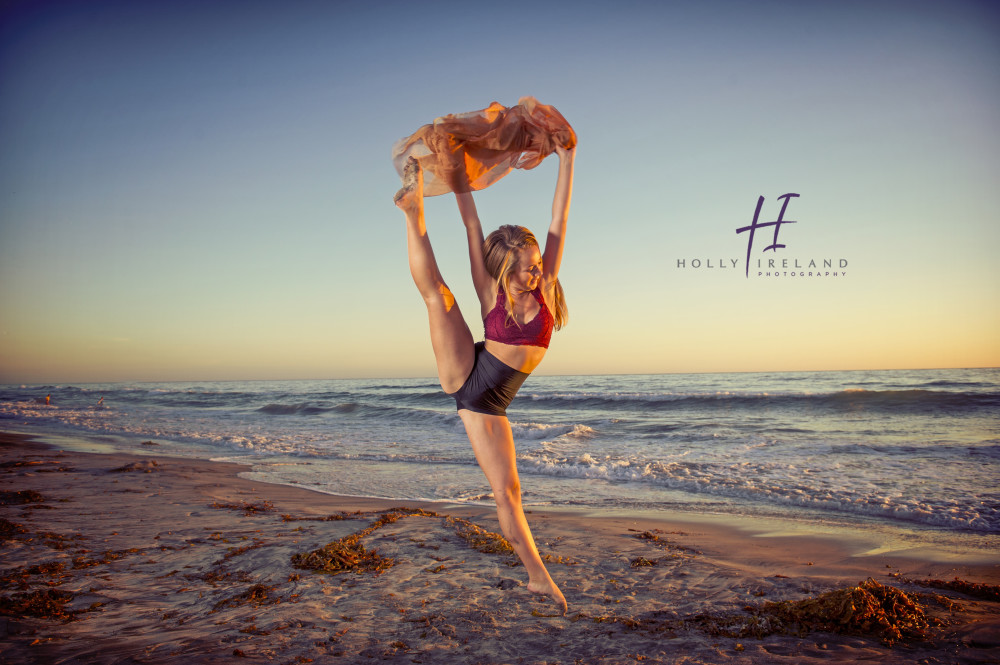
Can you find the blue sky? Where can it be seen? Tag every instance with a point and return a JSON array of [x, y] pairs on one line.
[[203, 190]]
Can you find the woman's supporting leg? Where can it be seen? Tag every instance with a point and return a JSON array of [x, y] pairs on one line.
[[454, 347], [493, 444]]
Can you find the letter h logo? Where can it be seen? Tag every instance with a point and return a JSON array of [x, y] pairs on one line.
[[776, 224]]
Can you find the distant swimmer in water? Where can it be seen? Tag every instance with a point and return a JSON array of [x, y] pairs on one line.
[[100, 402], [521, 301], [48, 398]]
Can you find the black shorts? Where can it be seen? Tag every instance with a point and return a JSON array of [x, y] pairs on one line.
[[491, 385]]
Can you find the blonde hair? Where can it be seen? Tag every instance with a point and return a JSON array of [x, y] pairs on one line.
[[500, 254]]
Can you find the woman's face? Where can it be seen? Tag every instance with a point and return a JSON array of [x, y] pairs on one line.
[[527, 273]]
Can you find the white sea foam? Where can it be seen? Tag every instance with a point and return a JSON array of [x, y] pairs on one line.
[[540, 431], [771, 484]]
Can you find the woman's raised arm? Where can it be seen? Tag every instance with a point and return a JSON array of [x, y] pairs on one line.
[[481, 279], [556, 238]]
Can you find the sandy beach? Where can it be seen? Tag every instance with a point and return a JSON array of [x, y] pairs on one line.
[[112, 558]]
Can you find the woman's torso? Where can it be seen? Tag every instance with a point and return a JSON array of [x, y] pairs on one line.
[[527, 308]]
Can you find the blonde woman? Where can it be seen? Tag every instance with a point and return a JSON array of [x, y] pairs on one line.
[[521, 303]]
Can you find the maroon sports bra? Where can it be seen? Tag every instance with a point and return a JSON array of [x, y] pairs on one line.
[[536, 332]]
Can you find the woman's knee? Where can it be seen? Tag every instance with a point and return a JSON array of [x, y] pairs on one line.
[[508, 494], [436, 294], [440, 296]]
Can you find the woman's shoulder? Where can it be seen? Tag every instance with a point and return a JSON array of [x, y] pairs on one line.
[[489, 295], [547, 289]]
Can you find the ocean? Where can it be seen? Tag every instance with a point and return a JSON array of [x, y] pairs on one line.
[[913, 453]]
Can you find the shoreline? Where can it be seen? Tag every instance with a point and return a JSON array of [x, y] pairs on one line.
[[158, 552], [867, 536]]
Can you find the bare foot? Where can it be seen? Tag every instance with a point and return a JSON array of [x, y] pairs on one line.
[[412, 193], [549, 588]]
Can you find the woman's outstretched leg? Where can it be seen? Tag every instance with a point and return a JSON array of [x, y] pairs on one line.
[[454, 348], [493, 444]]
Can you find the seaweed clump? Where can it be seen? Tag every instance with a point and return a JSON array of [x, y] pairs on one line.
[[41, 604], [348, 553], [869, 608], [341, 556], [21, 578], [480, 539]]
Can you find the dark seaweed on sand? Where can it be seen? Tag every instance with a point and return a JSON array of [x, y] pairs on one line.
[[237, 551], [40, 604], [147, 466], [10, 529], [869, 608], [106, 557], [17, 464], [52, 572], [480, 539], [348, 554], [218, 575], [336, 517], [973, 589], [49, 603], [57, 541], [258, 594], [249, 509], [659, 541], [341, 556], [15, 531], [20, 497]]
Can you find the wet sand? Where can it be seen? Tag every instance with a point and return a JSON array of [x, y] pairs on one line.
[[113, 558]]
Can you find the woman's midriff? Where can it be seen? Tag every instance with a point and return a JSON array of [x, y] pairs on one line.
[[523, 358]]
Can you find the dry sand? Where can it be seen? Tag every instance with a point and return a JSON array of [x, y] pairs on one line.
[[163, 560]]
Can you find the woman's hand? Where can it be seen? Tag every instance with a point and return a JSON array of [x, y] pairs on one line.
[[565, 153]]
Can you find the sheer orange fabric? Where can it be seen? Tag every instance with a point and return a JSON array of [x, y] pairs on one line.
[[471, 151]]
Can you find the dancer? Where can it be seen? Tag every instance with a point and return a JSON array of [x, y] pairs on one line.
[[521, 302]]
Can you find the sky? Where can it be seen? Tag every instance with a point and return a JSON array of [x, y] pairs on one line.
[[203, 190]]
